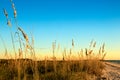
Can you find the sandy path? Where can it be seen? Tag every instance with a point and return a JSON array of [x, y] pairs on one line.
[[112, 71]]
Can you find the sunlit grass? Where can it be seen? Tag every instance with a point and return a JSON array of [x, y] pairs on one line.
[[89, 66]]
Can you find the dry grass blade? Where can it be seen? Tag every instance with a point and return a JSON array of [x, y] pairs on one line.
[[81, 53], [24, 35], [100, 50], [4, 45], [91, 43], [70, 51], [54, 46], [65, 52], [104, 56], [58, 48], [20, 52], [86, 52], [33, 41]]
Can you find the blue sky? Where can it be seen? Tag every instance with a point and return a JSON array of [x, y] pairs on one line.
[[62, 20]]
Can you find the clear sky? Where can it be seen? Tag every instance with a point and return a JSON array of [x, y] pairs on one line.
[[62, 20]]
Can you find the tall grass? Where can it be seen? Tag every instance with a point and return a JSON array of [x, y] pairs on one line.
[[87, 67]]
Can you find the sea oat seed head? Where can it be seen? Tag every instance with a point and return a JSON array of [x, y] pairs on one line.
[[27, 46], [13, 6], [5, 13], [103, 47], [72, 43], [91, 43], [90, 52], [9, 23], [94, 44], [24, 35], [15, 13]]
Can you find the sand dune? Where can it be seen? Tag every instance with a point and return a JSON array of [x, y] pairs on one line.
[[111, 72]]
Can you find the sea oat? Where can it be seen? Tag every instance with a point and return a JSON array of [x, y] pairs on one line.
[[104, 56], [15, 13], [103, 48], [24, 35], [5, 13], [13, 6], [72, 43], [86, 52], [9, 23], [91, 43], [28, 46], [100, 50], [94, 44], [90, 52]]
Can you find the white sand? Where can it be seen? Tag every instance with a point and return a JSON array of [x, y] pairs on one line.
[[112, 71]]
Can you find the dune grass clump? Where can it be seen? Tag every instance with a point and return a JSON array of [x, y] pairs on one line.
[[88, 66]]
